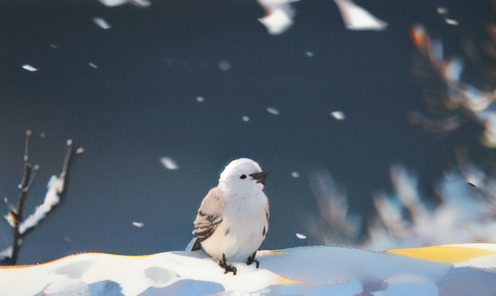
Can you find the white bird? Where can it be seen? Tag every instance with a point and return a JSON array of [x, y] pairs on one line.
[[233, 218]]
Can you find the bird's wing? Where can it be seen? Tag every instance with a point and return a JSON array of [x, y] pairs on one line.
[[209, 216], [267, 216]]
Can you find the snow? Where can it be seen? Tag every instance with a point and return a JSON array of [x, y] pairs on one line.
[[29, 68], [314, 270], [272, 110], [404, 218], [67, 287], [224, 65], [278, 15], [333, 207], [460, 217], [140, 3], [339, 115], [138, 224], [452, 22], [7, 252], [476, 103], [276, 22], [169, 163], [442, 10], [52, 198], [301, 236], [357, 18], [454, 69], [113, 3], [101, 23]]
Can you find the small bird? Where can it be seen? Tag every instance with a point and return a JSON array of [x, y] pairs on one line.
[[233, 218]]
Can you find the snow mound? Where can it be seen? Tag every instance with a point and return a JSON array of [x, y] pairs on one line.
[[463, 269]]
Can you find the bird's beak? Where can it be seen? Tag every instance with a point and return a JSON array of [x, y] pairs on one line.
[[260, 177]]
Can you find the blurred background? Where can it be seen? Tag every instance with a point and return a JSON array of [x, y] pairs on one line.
[[205, 82]]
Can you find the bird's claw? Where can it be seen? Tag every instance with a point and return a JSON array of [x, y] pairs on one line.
[[252, 259], [227, 267]]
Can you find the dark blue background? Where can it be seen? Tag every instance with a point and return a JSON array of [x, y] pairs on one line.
[[139, 105]]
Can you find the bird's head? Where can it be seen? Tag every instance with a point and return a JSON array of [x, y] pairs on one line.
[[244, 172]]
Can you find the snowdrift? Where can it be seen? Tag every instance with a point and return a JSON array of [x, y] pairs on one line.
[[462, 269]]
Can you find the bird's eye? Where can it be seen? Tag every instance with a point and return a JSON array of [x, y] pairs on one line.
[[242, 176]]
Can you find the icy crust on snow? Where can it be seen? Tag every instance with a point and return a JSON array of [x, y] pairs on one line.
[[296, 271]]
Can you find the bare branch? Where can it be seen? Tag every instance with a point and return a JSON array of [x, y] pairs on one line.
[[52, 198]]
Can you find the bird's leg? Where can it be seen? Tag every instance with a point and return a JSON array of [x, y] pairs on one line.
[[227, 267], [252, 259]]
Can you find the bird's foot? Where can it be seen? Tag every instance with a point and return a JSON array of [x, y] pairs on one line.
[[227, 267], [252, 259]]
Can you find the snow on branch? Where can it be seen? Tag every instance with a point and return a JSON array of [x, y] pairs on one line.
[[404, 219], [461, 216], [52, 198], [15, 217], [339, 226], [462, 102]]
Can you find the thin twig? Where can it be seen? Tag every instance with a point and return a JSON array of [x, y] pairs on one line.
[[27, 180], [67, 159]]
